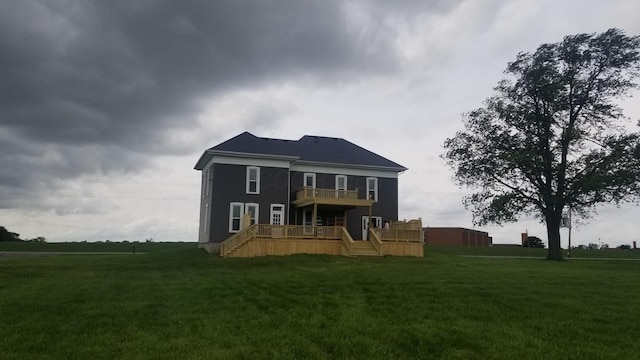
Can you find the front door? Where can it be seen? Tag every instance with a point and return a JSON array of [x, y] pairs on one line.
[[377, 222], [277, 214]]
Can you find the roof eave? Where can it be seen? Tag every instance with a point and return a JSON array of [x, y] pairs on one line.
[[208, 154], [398, 169]]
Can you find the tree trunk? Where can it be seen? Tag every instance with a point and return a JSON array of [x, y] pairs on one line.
[[553, 235]]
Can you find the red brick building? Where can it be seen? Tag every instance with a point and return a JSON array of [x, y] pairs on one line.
[[452, 236]]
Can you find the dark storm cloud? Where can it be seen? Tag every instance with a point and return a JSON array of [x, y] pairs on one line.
[[93, 86], [120, 71]]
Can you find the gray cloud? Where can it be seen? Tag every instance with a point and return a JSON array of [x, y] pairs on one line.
[[92, 87], [118, 71]]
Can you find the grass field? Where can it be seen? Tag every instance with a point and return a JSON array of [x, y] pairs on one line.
[[177, 302]]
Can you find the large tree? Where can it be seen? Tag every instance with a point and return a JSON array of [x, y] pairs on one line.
[[553, 135]]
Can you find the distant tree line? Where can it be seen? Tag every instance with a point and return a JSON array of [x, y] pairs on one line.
[[6, 235], [593, 246], [533, 242]]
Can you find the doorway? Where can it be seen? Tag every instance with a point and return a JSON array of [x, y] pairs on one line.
[[376, 222]]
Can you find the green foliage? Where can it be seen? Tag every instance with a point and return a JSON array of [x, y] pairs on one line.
[[533, 242], [179, 302], [552, 135], [6, 235]]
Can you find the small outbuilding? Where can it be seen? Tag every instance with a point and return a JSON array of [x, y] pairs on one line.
[[456, 236]]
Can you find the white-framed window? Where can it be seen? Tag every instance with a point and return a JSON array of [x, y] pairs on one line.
[[341, 182], [277, 214], [372, 188], [253, 180], [236, 210], [252, 208], [310, 180]]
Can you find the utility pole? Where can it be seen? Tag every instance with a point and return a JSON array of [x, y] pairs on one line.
[[570, 225]]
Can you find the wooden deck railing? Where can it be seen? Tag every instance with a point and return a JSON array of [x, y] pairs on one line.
[[308, 192], [347, 239], [297, 232], [399, 235], [375, 240], [237, 239]]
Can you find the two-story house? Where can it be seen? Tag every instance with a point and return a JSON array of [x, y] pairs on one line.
[[295, 193]]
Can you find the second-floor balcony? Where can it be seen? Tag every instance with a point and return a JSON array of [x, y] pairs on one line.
[[309, 196]]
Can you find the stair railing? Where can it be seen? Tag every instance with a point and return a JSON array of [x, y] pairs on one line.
[[375, 240], [347, 240], [239, 238]]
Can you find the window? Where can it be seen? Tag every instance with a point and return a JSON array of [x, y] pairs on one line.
[[235, 216], [372, 188], [310, 180], [237, 210], [253, 180], [341, 182], [251, 208]]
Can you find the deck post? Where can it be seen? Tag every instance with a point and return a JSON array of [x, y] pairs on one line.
[[369, 223], [314, 219]]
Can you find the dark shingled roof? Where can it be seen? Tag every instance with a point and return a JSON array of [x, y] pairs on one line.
[[308, 148]]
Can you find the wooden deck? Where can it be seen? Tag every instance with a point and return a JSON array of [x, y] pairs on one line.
[[265, 240], [310, 196]]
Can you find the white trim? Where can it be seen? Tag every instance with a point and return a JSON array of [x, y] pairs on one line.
[[207, 182], [207, 158], [202, 187], [301, 166], [255, 217], [231, 205], [345, 182], [252, 155], [249, 181], [351, 166], [365, 224], [375, 188], [392, 174], [231, 160], [271, 212], [304, 179]]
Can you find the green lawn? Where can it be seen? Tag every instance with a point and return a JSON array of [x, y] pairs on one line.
[[177, 302]]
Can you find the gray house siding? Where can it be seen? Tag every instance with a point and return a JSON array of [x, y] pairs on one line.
[[229, 185]]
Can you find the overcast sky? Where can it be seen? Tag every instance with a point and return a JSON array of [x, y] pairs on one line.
[[105, 106]]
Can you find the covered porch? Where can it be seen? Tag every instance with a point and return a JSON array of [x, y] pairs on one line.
[[318, 208]]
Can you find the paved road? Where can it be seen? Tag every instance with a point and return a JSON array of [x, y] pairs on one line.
[[541, 258], [5, 255]]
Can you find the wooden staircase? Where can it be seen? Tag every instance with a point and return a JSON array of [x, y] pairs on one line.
[[364, 248]]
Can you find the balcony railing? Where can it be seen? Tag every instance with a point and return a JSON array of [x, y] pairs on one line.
[[326, 193], [310, 195]]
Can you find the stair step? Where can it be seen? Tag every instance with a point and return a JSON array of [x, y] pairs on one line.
[[363, 248]]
